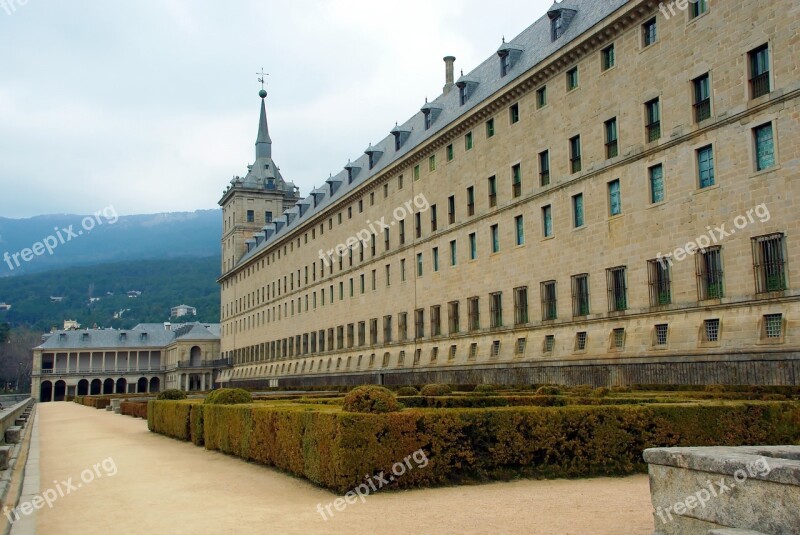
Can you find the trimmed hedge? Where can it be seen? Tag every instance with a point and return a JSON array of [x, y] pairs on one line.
[[338, 450], [228, 396], [137, 409], [435, 390], [172, 393], [370, 399]]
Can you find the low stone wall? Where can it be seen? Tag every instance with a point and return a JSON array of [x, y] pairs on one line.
[[705, 491], [744, 369]]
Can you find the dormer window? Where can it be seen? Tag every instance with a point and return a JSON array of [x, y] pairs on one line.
[[144, 336], [401, 134], [123, 336], [85, 336], [463, 94], [430, 112], [509, 55], [374, 154], [466, 87], [352, 172], [505, 64], [559, 21]]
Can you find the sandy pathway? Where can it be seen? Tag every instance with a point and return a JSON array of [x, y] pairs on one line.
[[162, 485]]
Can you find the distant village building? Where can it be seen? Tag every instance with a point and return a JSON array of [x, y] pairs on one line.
[[54, 299], [147, 358], [5, 306], [71, 325], [182, 310], [134, 293]]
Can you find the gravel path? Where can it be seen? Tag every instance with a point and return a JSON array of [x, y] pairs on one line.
[[136, 482]]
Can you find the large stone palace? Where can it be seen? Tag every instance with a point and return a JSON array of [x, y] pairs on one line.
[[611, 197]]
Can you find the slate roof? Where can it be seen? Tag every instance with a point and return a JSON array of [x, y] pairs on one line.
[[535, 45], [143, 336]]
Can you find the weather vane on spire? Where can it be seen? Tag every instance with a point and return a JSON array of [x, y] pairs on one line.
[[262, 77]]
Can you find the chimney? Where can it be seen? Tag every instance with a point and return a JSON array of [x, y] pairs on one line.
[[448, 73]]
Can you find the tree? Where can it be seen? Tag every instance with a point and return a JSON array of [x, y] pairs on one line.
[[16, 359], [4, 328]]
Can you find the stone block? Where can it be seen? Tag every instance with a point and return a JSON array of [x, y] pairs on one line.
[[13, 435], [5, 456]]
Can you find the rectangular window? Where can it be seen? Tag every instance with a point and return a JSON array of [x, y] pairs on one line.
[[580, 341], [416, 172], [516, 180], [418, 224], [402, 230], [400, 182], [656, 175], [471, 200], [490, 128], [547, 221], [577, 210], [468, 141], [402, 269], [434, 218], [612, 138], [432, 163], [251, 216], [572, 78], [709, 274], [549, 343], [769, 263], [609, 57], [618, 339], [453, 253], [362, 333], [402, 326], [580, 295], [513, 113], [350, 335], [505, 64], [705, 166], [617, 289], [544, 168], [521, 305], [496, 301], [697, 8], [494, 233], [519, 230], [653, 120], [702, 98], [759, 71], [649, 32], [387, 329], [386, 241], [658, 274], [435, 254], [419, 264], [662, 331], [473, 246], [711, 330], [549, 301], [436, 320], [451, 209], [773, 326], [541, 97], [520, 346], [419, 323], [765, 147], [450, 153], [614, 198], [575, 154], [473, 310], [453, 319], [268, 217], [492, 182]]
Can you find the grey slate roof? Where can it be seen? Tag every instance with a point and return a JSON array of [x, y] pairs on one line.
[[535, 45], [143, 336]]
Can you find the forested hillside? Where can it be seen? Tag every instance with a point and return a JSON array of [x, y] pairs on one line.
[[99, 294]]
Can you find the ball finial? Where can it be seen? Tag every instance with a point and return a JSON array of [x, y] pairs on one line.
[[262, 93]]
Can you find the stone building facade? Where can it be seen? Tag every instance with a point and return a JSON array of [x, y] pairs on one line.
[[147, 358], [610, 198]]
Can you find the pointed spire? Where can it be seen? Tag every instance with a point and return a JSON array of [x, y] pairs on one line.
[[263, 141]]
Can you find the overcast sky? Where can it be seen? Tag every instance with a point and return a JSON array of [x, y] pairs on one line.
[[152, 106]]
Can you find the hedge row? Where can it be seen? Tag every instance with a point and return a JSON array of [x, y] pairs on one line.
[[98, 402], [137, 409], [337, 449]]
